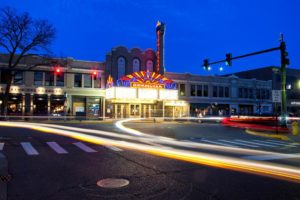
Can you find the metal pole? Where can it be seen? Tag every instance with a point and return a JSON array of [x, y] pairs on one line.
[[283, 82]]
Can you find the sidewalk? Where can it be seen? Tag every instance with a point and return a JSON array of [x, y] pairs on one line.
[[274, 135], [3, 177]]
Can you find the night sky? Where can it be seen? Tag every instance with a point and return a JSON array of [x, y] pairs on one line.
[[195, 30]]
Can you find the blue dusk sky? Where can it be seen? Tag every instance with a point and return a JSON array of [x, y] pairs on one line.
[[195, 29]]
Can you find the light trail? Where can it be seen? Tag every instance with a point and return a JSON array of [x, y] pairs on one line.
[[255, 167]]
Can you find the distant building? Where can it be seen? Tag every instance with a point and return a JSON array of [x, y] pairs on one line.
[[217, 95], [42, 91], [129, 83], [273, 73]]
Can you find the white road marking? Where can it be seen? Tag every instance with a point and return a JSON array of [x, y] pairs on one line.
[[278, 142], [29, 149], [239, 143], [273, 157], [57, 148], [84, 147], [218, 143], [113, 148], [290, 145], [1, 146], [256, 143], [267, 142]]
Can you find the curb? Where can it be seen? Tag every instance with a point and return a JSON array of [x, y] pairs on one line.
[[3, 175], [268, 135]]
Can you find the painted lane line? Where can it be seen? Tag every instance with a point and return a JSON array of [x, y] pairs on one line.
[[57, 148], [272, 157], [29, 149], [256, 143], [84, 147], [114, 148], [239, 143], [218, 143], [1, 146]]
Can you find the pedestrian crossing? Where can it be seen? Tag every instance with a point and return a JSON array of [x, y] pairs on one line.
[[253, 143], [29, 149]]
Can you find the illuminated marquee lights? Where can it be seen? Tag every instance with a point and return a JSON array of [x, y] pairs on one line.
[[109, 82], [147, 79]]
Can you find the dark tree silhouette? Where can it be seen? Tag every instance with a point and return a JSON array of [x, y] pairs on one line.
[[21, 36]]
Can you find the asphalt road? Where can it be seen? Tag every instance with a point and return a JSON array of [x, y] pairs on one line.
[[74, 172]]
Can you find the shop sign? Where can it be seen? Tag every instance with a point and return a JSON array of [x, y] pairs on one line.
[[145, 93], [168, 94], [14, 89], [295, 103], [147, 79], [40, 90]]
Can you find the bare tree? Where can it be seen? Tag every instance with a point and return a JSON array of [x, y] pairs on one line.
[[21, 36]]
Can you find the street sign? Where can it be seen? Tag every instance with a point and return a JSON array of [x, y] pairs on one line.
[[276, 96]]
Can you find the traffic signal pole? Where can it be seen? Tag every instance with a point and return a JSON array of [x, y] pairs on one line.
[[284, 62]]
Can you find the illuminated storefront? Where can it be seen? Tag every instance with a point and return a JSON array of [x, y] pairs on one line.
[[143, 94]]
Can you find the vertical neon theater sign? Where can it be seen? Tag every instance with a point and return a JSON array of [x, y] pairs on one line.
[[160, 30]]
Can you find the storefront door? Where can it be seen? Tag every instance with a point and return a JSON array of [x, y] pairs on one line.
[[135, 110]]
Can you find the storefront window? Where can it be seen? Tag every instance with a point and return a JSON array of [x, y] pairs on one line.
[[221, 91], [49, 78], [14, 105], [18, 78], [205, 90], [60, 80], [199, 90], [77, 80], [226, 91], [215, 91], [97, 83], [182, 89], [193, 90], [87, 80], [4, 75], [57, 105], [40, 105], [38, 78]]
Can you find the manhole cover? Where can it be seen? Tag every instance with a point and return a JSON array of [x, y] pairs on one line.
[[112, 183]]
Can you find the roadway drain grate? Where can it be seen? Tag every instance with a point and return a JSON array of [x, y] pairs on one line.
[[111, 183], [5, 178]]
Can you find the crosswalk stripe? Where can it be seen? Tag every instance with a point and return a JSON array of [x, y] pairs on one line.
[[278, 142], [239, 143], [285, 143], [29, 149], [1, 146], [57, 148], [84, 147], [267, 142], [113, 148], [257, 143], [218, 143]]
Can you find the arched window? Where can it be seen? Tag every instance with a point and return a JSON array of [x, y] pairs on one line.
[[121, 67], [136, 65], [149, 65]]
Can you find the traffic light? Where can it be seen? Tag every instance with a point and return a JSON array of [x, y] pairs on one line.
[[284, 55], [206, 64], [58, 71], [94, 75], [228, 59]]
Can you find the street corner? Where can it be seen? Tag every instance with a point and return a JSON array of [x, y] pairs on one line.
[[4, 176], [279, 136]]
